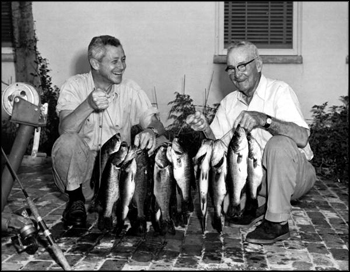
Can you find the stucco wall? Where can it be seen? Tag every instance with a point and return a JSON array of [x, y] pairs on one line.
[[165, 41]]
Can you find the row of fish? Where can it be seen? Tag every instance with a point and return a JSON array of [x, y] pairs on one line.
[[133, 184], [227, 172]]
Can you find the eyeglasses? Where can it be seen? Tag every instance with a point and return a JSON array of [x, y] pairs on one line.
[[241, 67]]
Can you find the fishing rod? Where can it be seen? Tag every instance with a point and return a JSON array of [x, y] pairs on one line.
[[55, 248]]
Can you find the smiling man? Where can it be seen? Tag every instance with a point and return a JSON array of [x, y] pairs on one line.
[[269, 110], [92, 108]]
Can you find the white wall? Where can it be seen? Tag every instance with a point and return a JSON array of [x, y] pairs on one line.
[[165, 41]]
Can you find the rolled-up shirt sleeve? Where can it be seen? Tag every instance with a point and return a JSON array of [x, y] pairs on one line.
[[73, 92], [287, 107]]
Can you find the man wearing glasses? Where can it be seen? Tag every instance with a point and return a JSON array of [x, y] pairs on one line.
[[269, 110]]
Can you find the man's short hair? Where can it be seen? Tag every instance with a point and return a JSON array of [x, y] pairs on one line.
[[97, 45], [252, 47]]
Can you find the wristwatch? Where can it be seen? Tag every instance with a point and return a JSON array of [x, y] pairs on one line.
[[268, 121]]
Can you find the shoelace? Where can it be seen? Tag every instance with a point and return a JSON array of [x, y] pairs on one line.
[[78, 206]]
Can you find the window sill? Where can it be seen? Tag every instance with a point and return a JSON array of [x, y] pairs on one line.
[[7, 57], [267, 59]]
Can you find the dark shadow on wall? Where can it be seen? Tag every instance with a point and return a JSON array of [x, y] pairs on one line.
[[81, 63]]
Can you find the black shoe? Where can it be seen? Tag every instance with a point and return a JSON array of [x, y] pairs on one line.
[[248, 218], [75, 214], [268, 233]]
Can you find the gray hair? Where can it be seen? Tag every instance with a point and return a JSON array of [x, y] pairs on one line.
[[250, 46], [97, 46]]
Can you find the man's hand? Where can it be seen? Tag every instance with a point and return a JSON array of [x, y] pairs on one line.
[[146, 139], [250, 120], [197, 121], [98, 99]]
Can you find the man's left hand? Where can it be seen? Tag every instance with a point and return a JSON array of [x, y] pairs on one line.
[[250, 120]]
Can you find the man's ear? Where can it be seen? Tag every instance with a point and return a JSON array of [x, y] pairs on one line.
[[259, 64], [94, 63]]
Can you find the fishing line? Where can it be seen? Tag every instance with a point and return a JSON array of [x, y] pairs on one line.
[[232, 130], [100, 121], [183, 125], [100, 116]]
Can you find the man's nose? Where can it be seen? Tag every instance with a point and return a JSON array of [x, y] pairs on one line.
[[121, 65], [236, 74]]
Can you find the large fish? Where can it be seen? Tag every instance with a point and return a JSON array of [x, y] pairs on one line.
[[218, 181], [137, 215], [202, 174], [126, 187], [109, 192], [163, 189], [255, 170], [183, 174], [237, 158], [108, 148]]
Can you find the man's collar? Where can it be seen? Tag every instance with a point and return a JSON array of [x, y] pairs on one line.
[[260, 90], [92, 84]]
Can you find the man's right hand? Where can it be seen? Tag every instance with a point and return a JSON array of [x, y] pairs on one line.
[[197, 121], [98, 99]]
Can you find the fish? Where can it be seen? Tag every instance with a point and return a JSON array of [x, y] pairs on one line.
[[109, 192], [137, 215], [237, 159], [202, 174], [108, 148], [255, 171], [183, 174], [126, 187], [163, 190], [217, 188]]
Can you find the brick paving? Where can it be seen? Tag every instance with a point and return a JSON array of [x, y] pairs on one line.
[[319, 236]]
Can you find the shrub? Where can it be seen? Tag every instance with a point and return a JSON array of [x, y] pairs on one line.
[[182, 106], [329, 140], [48, 94]]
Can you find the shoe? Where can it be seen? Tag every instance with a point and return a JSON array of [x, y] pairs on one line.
[[268, 233], [248, 218], [75, 214]]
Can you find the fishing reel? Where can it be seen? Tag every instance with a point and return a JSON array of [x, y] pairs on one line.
[[26, 237], [26, 240]]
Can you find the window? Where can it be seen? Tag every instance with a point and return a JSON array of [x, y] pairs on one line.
[[6, 25], [266, 24], [274, 27]]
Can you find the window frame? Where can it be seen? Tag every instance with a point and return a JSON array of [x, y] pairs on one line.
[[297, 24]]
